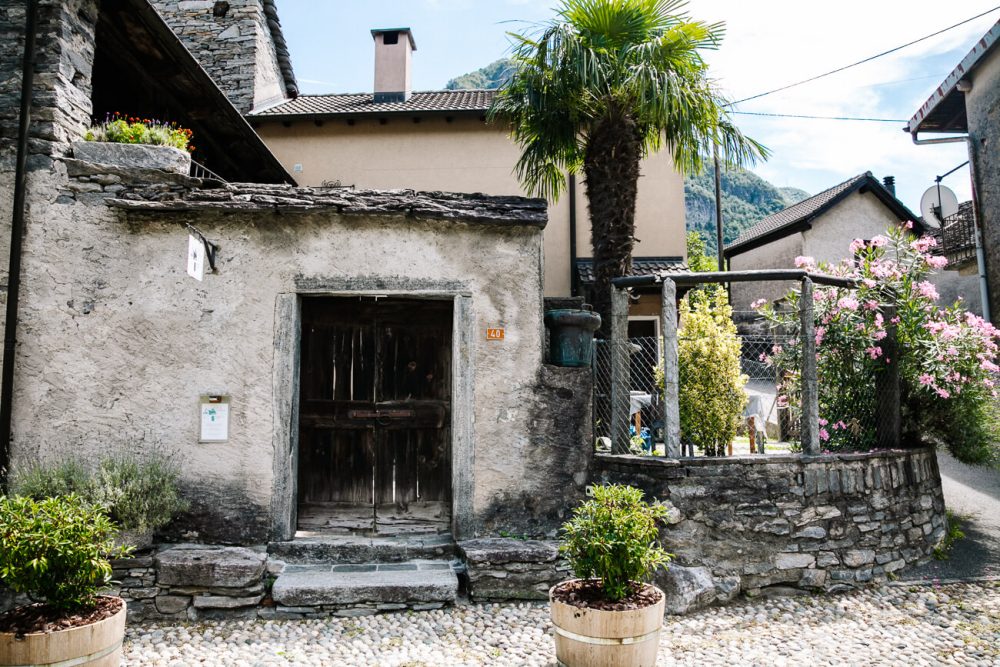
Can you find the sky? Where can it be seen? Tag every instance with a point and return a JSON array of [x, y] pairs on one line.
[[768, 43]]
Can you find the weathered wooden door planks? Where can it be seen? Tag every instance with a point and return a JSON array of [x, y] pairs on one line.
[[374, 443]]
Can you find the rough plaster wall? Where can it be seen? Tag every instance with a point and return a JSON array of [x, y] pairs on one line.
[[982, 106], [117, 342], [228, 47], [779, 254]]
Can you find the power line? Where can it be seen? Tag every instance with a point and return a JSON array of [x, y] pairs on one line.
[[868, 59], [790, 115]]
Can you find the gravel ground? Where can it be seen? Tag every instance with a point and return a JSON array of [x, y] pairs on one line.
[[956, 624]]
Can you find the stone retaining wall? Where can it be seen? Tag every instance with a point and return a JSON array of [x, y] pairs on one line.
[[828, 523], [502, 569]]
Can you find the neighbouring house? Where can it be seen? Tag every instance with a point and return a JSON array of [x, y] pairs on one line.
[[395, 137], [967, 104], [822, 227]]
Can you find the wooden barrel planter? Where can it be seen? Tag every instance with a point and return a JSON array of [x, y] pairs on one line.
[[597, 638], [95, 645]]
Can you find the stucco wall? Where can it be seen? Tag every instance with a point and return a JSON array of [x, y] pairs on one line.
[[118, 343], [982, 106], [779, 254], [466, 155]]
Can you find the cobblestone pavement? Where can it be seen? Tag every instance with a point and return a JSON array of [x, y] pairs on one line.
[[957, 624]]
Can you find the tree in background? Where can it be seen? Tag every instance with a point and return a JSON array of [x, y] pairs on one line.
[[602, 85]]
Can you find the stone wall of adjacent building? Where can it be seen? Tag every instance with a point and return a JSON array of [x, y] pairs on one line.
[[502, 569], [828, 523], [233, 42]]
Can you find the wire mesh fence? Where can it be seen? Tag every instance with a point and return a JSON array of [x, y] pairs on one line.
[[771, 417]]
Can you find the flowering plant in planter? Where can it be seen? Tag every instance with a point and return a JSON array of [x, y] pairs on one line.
[[946, 356], [120, 129], [56, 551], [609, 615]]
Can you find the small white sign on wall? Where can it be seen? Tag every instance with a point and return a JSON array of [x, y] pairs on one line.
[[196, 257], [214, 418]]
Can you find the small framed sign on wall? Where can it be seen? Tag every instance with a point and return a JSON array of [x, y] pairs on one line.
[[214, 418]]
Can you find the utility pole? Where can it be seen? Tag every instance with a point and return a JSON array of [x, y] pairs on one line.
[[718, 209]]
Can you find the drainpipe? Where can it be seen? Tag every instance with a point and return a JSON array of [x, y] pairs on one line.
[[573, 279], [16, 235], [984, 287]]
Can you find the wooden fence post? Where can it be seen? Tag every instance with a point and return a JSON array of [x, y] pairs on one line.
[[888, 418], [621, 369], [671, 371], [810, 387]]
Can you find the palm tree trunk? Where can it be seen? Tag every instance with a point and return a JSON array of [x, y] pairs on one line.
[[611, 168]]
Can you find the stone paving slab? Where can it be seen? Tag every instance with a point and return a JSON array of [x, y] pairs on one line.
[[899, 625]]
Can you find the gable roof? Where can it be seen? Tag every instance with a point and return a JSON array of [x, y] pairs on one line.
[[363, 104], [154, 75], [799, 216], [944, 111]]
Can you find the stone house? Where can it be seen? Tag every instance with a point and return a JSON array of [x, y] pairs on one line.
[[822, 227], [967, 104], [312, 290]]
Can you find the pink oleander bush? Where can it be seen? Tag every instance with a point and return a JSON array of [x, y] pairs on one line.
[[946, 356]]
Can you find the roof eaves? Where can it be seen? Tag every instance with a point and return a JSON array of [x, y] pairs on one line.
[[949, 86]]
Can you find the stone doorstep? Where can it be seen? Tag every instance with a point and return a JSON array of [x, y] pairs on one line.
[[310, 587], [354, 550]]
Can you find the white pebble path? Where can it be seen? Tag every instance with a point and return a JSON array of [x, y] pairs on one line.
[[957, 624]]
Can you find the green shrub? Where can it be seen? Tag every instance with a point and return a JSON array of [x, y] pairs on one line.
[[56, 549], [139, 493], [711, 397], [613, 537], [60, 479]]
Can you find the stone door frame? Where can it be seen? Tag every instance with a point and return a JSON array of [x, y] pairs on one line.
[[285, 389]]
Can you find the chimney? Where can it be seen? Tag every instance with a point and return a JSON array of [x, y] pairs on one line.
[[890, 184], [393, 54]]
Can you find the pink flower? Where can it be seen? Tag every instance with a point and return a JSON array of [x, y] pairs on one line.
[[824, 435], [926, 380], [848, 303], [908, 225], [842, 425], [927, 290], [804, 262], [937, 262], [856, 245], [820, 332], [871, 304], [951, 351], [823, 422], [879, 335], [943, 393], [989, 366], [874, 352], [758, 303], [777, 349], [763, 357], [878, 241], [869, 283], [923, 244]]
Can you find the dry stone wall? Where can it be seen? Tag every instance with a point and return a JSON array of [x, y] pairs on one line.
[[828, 523]]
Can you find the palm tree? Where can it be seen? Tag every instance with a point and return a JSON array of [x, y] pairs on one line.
[[599, 87]]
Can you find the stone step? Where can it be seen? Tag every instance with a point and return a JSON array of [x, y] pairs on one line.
[[413, 584], [348, 549]]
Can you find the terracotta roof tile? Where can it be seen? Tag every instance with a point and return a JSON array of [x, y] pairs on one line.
[[363, 103]]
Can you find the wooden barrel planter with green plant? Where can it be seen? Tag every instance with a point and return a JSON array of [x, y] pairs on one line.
[[95, 645]]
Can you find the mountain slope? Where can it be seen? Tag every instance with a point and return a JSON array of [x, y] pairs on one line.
[[492, 76]]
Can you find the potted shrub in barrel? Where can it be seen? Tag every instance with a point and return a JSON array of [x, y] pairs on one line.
[[56, 552], [610, 615]]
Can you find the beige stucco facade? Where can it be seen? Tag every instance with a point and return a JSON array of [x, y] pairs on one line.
[[464, 154]]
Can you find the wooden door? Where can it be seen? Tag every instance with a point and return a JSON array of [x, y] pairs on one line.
[[374, 440]]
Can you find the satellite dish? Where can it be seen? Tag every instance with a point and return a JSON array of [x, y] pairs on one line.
[[937, 203]]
